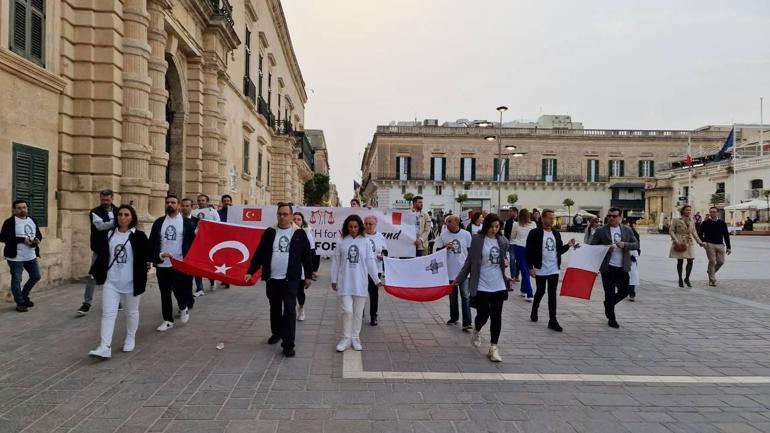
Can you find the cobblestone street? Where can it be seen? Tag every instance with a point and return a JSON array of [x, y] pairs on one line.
[[684, 360]]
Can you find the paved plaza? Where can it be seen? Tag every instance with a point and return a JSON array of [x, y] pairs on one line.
[[684, 360]]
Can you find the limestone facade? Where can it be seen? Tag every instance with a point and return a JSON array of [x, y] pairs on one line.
[[145, 97]]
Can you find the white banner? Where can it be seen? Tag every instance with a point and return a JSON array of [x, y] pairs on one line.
[[399, 227]]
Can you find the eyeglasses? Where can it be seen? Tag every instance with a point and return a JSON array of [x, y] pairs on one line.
[[613, 216]]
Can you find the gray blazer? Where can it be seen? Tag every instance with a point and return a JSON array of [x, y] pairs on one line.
[[603, 236], [472, 263]]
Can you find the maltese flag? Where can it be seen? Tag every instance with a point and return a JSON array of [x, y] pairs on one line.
[[420, 279], [221, 251], [581, 273]]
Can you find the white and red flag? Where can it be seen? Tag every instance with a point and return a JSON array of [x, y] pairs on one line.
[[584, 264], [420, 279], [222, 252]]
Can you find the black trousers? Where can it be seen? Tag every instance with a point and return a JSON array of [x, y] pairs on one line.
[[542, 282], [172, 281], [489, 306], [374, 298], [301, 295], [615, 283], [282, 296]]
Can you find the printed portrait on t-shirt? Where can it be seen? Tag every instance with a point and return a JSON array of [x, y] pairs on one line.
[[455, 246], [494, 255], [28, 231], [550, 244], [353, 254], [170, 234], [201, 216], [120, 254], [374, 246], [283, 244], [616, 237]]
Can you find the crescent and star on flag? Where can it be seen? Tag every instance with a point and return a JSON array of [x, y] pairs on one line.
[[238, 246]]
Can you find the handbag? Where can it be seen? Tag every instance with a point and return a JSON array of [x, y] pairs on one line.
[[680, 247]]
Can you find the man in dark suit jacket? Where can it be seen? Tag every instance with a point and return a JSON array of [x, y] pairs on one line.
[[283, 253], [513, 215], [617, 262], [227, 201], [21, 236]]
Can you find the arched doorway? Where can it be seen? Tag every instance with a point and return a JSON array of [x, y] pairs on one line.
[[175, 116]]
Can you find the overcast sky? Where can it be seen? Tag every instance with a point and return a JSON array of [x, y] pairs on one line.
[[610, 64]]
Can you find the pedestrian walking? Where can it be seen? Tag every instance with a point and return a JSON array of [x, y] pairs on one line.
[[544, 251], [171, 236], [617, 263], [422, 225], [285, 258], [513, 216], [351, 264], [121, 267], [474, 226], [486, 265], [299, 219], [102, 220], [591, 228], [205, 212], [633, 273], [519, 233], [457, 243], [683, 235], [21, 235], [379, 248], [716, 240]]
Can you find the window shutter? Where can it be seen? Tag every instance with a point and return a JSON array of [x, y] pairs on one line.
[[408, 167], [462, 169], [19, 36], [398, 168], [30, 180], [433, 168], [554, 170], [589, 167], [652, 168], [609, 169], [622, 168], [507, 163], [641, 168], [36, 34], [443, 168], [473, 169], [494, 169], [544, 162]]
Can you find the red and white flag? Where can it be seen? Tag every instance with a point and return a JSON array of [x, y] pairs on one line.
[[222, 252], [420, 279], [584, 264]]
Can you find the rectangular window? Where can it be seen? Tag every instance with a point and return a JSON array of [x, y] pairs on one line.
[[268, 173], [278, 97], [247, 49], [246, 153], [439, 189], [403, 167], [30, 180], [438, 168], [260, 74], [419, 189], [403, 189], [549, 170], [28, 29], [467, 169], [646, 168], [269, 89], [616, 168], [592, 170], [259, 166], [500, 169]]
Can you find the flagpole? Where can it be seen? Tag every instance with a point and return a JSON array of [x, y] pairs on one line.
[[735, 184], [761, 126], [690, 195]]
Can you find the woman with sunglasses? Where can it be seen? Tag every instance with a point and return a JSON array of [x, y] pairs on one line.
[[121, 266]]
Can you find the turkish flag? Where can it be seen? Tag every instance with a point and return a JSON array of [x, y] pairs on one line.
[[222, 252], [251, 214]]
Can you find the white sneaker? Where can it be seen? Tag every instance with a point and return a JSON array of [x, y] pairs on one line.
[[185, 315], [476, 338], [101, 352], [301, 314], [343, 344], [178, 314], [213, 286], [165, 326], [356, 343], [529, 299], [493, 354], [128, 345], [522, 294], [199, 293]]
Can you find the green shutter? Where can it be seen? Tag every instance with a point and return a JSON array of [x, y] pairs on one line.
[[432, 168], [641, 168], [652, 168], [19, 24], [589, 171], [505, 173], [494, 168], [554, 170], [473, 168], [543, 169], [462, 169], [30, 180], [28, 29], [443, 168], [622, 168], [408, 167]]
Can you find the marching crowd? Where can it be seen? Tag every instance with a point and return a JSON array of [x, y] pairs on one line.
[[486, 261]]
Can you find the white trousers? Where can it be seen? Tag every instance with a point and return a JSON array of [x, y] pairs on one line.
[[352, 311], [110, 300]]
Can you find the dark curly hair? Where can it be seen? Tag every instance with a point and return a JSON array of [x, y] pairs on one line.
[[357, 219], [488, 220]]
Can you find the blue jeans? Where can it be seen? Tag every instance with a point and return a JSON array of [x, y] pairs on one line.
[[521, 259], [21, 295], [464, 293], [514, 263]]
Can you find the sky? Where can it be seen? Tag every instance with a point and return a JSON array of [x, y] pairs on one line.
[[612, 64]]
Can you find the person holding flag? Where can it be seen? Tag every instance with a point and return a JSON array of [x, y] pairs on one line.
[[204, 212], [457, 243], [285, 257], [544, 251], [486, 264], [352, 262], [380, 250]]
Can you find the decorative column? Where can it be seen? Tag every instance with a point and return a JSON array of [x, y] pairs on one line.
[[158, 96], [193, 140], [211, 155], [135, 150], [224, 172]]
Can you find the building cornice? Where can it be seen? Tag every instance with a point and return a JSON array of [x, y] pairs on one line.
[[30, 72], [282, 29]]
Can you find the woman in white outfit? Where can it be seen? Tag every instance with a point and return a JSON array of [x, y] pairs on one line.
[[351, 265], [121, 266]]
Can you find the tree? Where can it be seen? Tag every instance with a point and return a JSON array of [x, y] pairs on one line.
[[316, 188], [408, 196], [568, 203], [461, 198], [512, 199], [715, 198]]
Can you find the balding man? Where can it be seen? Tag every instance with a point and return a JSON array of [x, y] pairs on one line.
[[457, 242]]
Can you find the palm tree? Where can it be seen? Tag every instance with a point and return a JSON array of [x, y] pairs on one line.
[[568, 203]]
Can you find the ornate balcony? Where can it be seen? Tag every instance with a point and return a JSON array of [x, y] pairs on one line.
[[249, 89], [223, 8]]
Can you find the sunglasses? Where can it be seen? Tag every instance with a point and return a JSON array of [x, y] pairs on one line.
[[613, 216]]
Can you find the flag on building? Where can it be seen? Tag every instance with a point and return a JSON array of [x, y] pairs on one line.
[[584, 264], [728, 146], [222, 252], [421, 279]]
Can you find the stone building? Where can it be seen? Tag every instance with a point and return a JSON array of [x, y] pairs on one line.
[[596, 168], [145, 97]]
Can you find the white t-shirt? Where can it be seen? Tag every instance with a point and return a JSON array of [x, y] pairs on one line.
[[377, 243], [121, 275], [475, 229], [550, 264], [457, 245], [25, 228], [519, 233], [279, 263], [616, 258], [491, 276], [99, 222], [208, 213], [171, 233], [351, 265]]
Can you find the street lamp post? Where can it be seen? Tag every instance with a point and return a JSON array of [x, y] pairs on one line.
[[500, 109]]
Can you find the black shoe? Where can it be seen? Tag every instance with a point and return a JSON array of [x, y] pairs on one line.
[[21, 308], [606, 310], [273, 339], [451, 322], [373, 321], [289, 353], [681, 283], [83, 310], [613, 324], [533, 317], [555, 326], [687, 282], [29, 304], [120, 307]]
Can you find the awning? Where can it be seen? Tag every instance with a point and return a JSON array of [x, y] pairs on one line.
[[628, 185]]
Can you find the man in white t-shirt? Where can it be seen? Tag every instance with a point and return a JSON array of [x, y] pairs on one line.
[[21, 236], [102, 220], [457, 243]]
